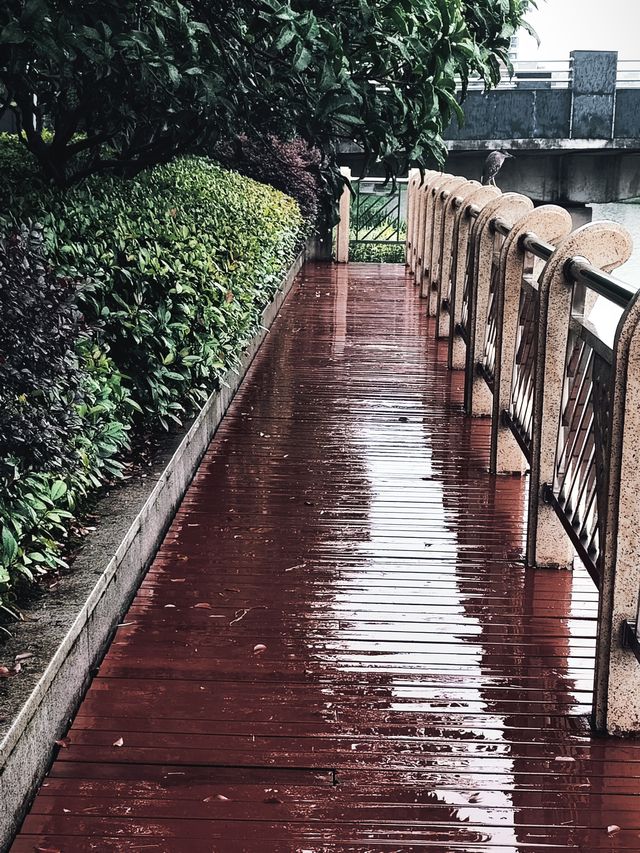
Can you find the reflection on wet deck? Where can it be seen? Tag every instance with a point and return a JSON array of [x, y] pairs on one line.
[[338, 647]]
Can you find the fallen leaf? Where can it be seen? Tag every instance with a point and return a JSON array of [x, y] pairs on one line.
[[259, 649], [119, 742], [612, 829], [298, 566], [239, 614], [5, 672], [202, 605], [24, 656], [229, 296], [63, 743]]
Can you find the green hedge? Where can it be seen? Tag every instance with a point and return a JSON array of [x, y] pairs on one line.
[[377, 253], [174, 268]]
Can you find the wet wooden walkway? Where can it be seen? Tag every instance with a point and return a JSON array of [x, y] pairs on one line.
[[338, 647]]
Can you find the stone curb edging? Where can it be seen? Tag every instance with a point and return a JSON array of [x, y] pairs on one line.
[[27, 748]]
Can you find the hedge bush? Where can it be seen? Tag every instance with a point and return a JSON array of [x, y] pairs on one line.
[[291, 166], [171, 271], [377, 253]]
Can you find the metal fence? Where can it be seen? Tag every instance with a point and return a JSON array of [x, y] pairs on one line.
[[512, 288], [555, 74], [378, 220]]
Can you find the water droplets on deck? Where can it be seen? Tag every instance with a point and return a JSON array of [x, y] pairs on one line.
[[338, 646]]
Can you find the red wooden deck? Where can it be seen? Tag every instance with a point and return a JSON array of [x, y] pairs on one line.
[[338, 647]]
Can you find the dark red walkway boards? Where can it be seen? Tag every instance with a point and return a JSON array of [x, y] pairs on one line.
[[338, 648]]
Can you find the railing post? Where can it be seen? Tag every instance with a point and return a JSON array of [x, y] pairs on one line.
[[412, 188], [342, 230], [423, 195], [437, 246], [508, 207], [424, 271], [616, 705], [446, 272], [550, 223], [605, 245], [461, 268]]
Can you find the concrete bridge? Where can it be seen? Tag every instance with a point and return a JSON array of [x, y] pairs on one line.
[[573, 126]]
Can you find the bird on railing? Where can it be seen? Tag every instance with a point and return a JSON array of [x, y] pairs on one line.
[[492, 166]]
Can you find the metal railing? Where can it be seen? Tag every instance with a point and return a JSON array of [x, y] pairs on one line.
[[628, 76], [554, 74], [536, 74], [512, 289], [377, 218]]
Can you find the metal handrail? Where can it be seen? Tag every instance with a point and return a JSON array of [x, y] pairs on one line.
[[369, 180], [563, 398], [578, 270], [557, 73]]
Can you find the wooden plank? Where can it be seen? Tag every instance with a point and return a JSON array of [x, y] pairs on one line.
[[338, 647]]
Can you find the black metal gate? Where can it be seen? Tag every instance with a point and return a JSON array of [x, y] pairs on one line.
[[378, 220]]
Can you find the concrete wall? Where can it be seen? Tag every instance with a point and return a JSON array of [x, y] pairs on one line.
[[590, 108], [515, 114], [627, 116]]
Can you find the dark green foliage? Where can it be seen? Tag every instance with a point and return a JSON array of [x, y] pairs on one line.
[[377, 253], [176, 266], [39, 375], [122, 83], [295, 168]]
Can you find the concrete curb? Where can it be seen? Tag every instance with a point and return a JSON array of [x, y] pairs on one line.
[[27, 747]]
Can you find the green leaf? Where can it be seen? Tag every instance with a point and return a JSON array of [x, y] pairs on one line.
[[9, 547], [12, 33], [58, 490], [302, 58]]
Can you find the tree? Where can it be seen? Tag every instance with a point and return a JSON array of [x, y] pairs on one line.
[[119, 84]]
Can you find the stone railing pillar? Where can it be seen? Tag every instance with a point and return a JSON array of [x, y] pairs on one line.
[[593, 101], [605, 245], [413, 185], [424, 270], [550, 224], [462, 246], [418, 224], [342, 229], [437, 244], [422, 195], [616, 706], [450, 231], [508, 207]]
